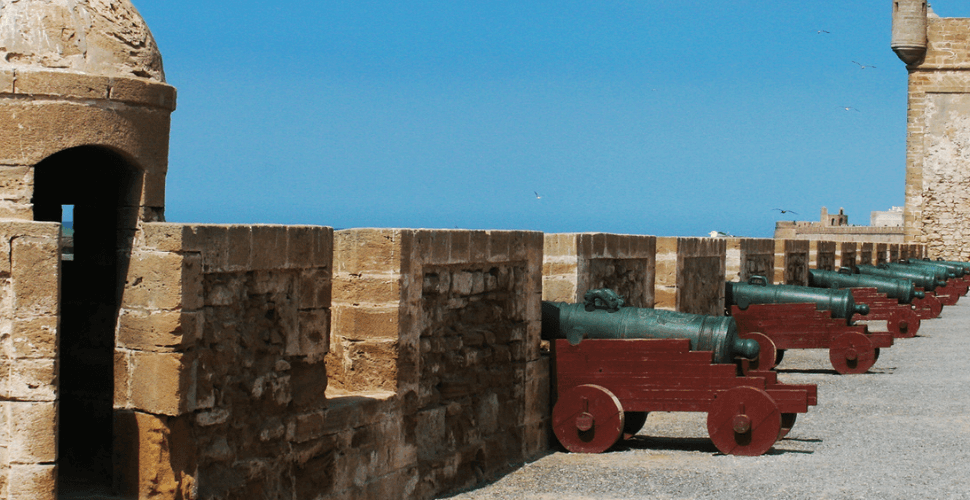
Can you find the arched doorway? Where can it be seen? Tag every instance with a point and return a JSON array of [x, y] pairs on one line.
[[98, 190]]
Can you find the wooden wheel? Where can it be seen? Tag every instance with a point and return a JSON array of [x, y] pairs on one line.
[[634, 421], [787, 422], [766, 355], [852, 353], [744, 421], [587, 419]]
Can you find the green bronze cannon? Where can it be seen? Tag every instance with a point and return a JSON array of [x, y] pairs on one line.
[[940, 272], [954, 263], [602, 316], [953, 270], [924, 279], [758, 291], [895, 288]]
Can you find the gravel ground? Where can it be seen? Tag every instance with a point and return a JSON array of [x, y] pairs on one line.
[[900, 431]]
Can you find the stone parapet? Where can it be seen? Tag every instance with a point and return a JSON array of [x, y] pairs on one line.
[[448, 324], [866, 254], [690, 275], [821, 254], [845, 255], [791, 262], [747, 257], [220, 358], [574, 263]]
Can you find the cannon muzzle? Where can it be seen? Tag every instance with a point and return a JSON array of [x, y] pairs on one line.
[[758, 291], [603, 316]]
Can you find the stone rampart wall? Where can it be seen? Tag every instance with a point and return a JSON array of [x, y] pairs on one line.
[[792, 262], [747, 257], [447, 325], [822, 255], [690, 275], [574, 263], [220, 377], [29, 303]]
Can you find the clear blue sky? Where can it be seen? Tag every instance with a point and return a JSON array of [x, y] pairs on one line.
[[643, 117]]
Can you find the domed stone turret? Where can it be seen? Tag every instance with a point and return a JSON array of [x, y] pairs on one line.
[[96, 37]]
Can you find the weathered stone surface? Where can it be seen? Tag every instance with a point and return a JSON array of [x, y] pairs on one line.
[[88, 36], [35, 274], [158, 330], [164, 280], [32, 482], [156, 458], [161, 383], [33, 432]]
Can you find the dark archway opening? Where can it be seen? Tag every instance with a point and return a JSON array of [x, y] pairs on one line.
[[102, 189]]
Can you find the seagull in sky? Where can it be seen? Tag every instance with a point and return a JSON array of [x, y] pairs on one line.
[[850, 108], [787, 211], [537, 196], [822, 31], [863, 66]]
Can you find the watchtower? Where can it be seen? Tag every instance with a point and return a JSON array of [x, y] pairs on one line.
[[937, 56], [84, 130]]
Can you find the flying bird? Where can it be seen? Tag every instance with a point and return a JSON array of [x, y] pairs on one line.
[[822, 31], [787, 211], [537, 196], [850, 108], [863, 66]]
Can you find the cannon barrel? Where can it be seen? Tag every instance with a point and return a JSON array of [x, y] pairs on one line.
[[896, 288], [964, 265], [954, 270], [602, 316], [941, 272], [758, 291], [923, 279]]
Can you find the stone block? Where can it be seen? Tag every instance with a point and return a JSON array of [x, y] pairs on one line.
[[156, 457], [19, 210], [240, 248], [164, 237], [16, 183], [32, 130], [460, 247], [366, 323], [314, 334], [315, 288], [33, 432], [35, 274], [499, 246], [138, 91], [477, 246], [162, 383], [122, 367], [7, 77], [269, 247], [51, 83], [154, 330], [371, 365], [366, 288], [34, 337], [164, 280], [373, 251], [31, 379], [32, 482]]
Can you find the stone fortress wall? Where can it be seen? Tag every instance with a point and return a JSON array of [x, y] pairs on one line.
[[187, 361], [937, 53]]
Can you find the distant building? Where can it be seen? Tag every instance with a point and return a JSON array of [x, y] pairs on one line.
[[890, 218], [835, 227]]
